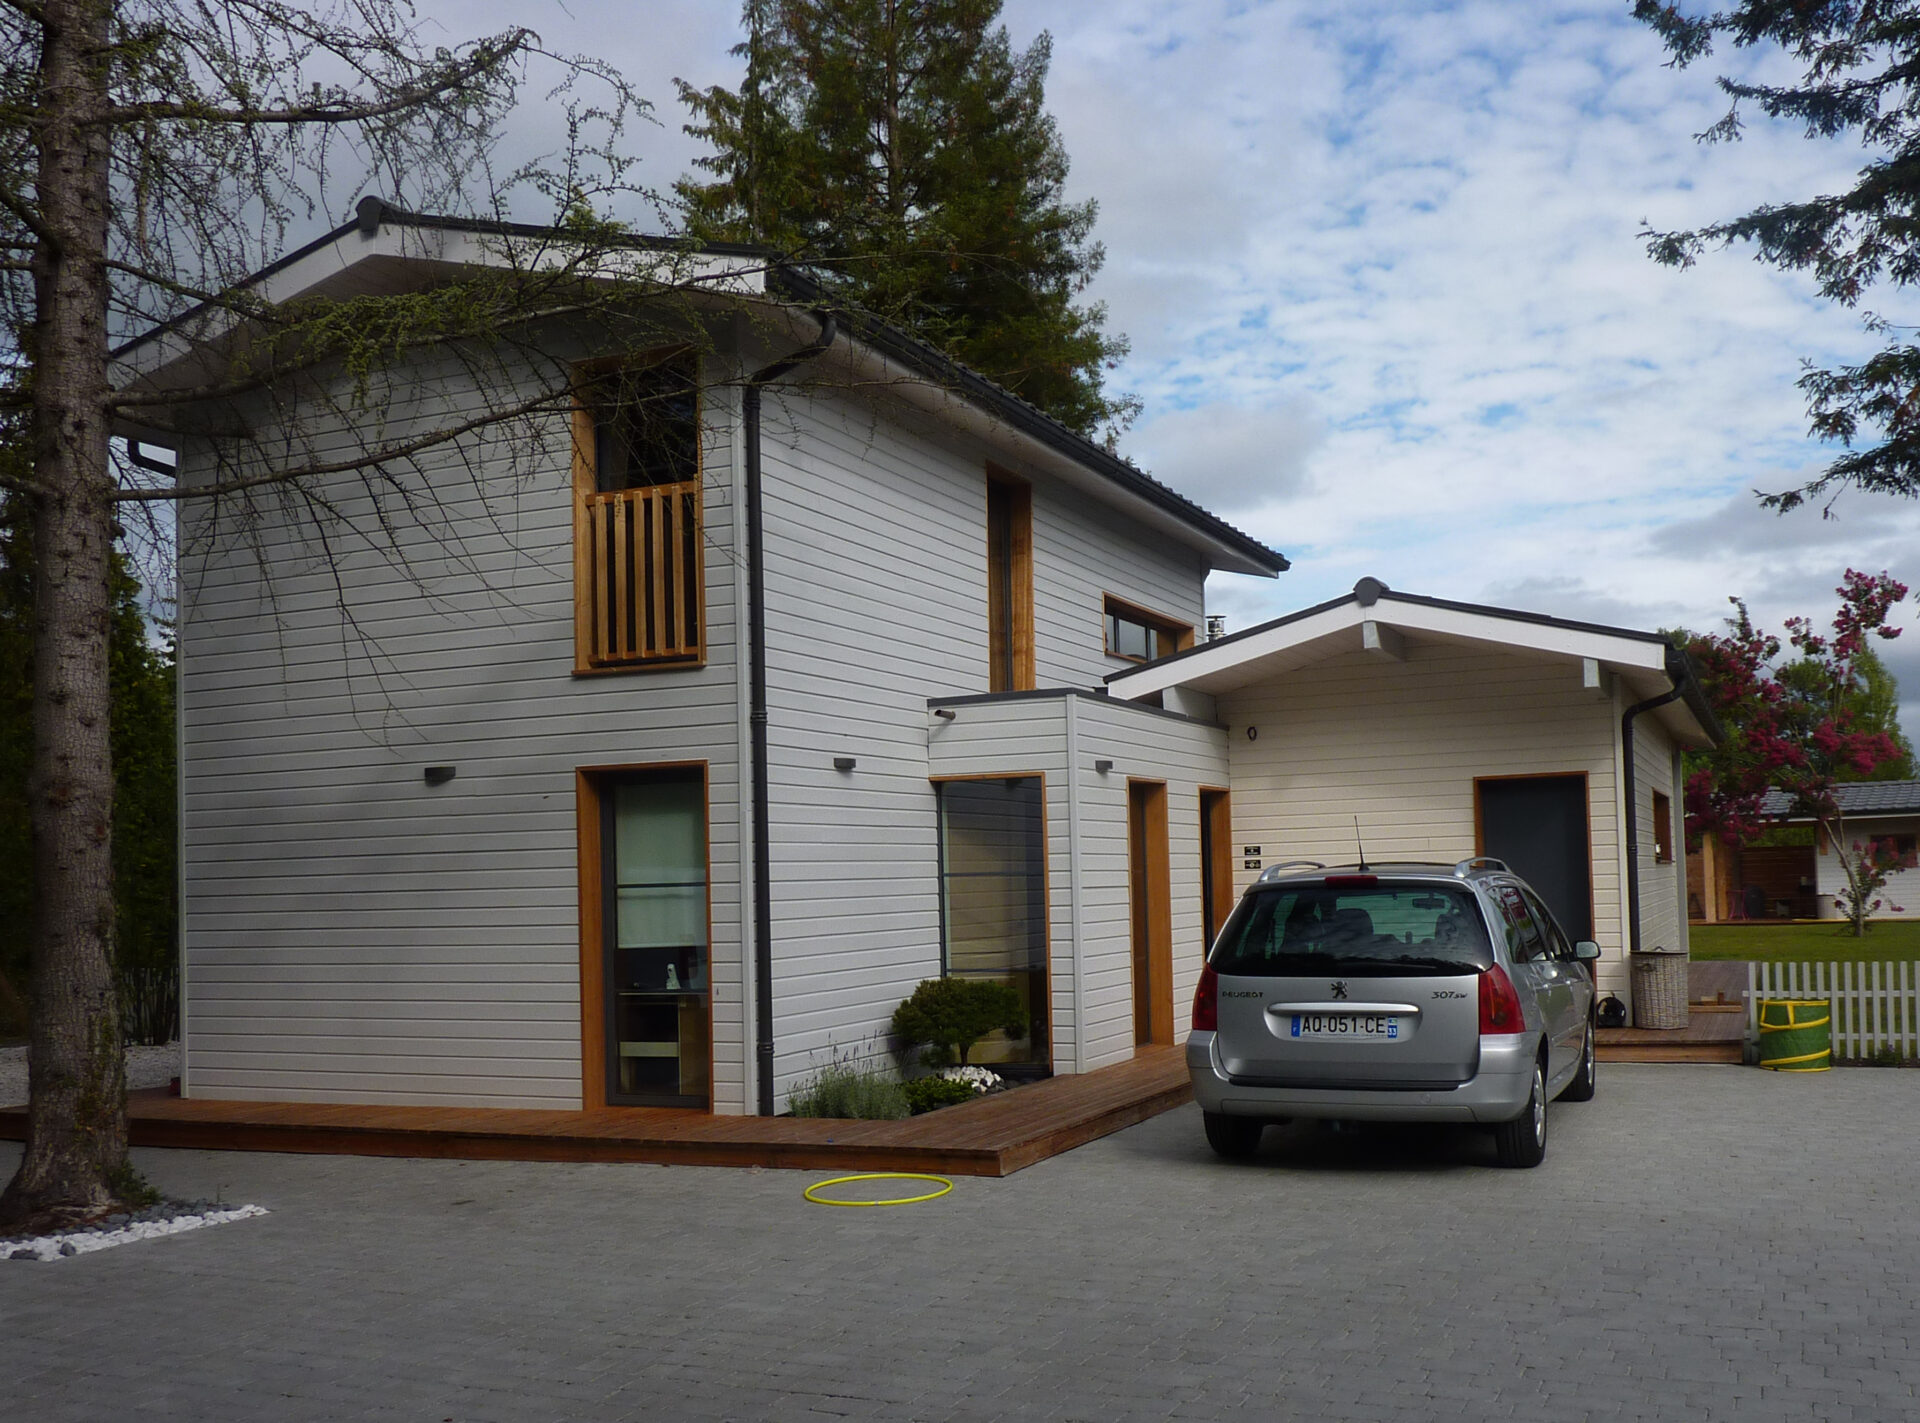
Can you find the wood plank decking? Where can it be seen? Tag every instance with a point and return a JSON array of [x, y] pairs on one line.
[[994, 1136], [1714, 1033]]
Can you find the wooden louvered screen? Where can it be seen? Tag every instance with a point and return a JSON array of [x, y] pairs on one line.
[[644, 596]]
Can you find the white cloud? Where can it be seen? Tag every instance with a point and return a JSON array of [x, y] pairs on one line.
[[1390, 309]]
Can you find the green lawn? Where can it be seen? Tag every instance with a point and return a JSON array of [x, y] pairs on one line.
[[1806, 943]]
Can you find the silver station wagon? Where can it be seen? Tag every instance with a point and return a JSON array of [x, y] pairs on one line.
[[1398, 993]]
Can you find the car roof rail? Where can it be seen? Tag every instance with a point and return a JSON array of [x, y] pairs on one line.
[[1481, 862], [1275, 871]]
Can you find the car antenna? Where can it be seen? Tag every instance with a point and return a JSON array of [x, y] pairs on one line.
[[1364, 866]]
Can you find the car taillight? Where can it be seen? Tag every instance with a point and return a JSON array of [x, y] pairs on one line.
[[1499, 1004], [1206, 1001]]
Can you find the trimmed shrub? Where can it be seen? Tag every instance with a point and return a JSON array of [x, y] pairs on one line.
[[955, 1013], [924, 1094], [843, 1090]]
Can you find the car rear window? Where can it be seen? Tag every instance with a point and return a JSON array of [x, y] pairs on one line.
[[1362, 930]]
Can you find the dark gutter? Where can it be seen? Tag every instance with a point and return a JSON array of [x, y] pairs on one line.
[[1680, 673], [985, 699], [941, 368], [757, 706]]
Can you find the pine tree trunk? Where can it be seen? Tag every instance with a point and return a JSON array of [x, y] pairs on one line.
[[76, 1154]]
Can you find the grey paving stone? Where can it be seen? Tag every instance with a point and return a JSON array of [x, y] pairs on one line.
[[1705, 1243]]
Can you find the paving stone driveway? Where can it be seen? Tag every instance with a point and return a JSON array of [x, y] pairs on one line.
[[1702, 1243]]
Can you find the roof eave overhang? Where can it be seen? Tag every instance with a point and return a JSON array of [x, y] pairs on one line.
[[1645, 661], [362, 256]]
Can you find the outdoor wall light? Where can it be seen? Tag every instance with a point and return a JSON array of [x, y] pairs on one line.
[[439, 775], [843, 763], [1103, 766]]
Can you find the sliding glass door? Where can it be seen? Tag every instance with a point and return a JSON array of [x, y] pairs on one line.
[[654, 887]]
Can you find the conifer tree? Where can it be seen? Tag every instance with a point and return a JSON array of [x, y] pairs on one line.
[[1860, 79], [902, 149]]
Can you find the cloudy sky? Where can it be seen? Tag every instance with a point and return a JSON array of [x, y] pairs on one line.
[[1389, 312]]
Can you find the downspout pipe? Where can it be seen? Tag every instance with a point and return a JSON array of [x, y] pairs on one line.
[[757, 705], [1680, 672]]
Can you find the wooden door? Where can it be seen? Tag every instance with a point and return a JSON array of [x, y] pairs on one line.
[[1152, 911]]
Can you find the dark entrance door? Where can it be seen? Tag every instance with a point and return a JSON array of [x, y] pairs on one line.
[[1538, 825]]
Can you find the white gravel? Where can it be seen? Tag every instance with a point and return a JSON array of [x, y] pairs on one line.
[[85, 1242], [146, 1067]]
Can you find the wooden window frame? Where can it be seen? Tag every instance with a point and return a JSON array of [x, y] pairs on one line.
[[1046, 881], [1010, 629], [1150, 926], [1110, 607], [1216, 863], [589, 787], [587, 504], [1662, 828]]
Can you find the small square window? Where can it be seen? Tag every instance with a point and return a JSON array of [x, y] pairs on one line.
[[1662, 829]]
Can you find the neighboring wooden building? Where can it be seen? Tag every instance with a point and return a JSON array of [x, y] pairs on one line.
[[1872, 813], [1433, 730], [473, 819]]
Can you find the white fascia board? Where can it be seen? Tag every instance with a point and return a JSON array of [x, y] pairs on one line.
[[1239, 661], [332, 265], [878, 372]]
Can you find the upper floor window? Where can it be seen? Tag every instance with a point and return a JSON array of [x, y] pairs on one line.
[[638, 596], [1010, 661], [1141, 636]]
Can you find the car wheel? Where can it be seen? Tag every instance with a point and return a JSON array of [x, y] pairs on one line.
[[1235, 1138], [1581, 1088], [1523, 1141]]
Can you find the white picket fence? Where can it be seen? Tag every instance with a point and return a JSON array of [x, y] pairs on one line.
[[1876, 1003]]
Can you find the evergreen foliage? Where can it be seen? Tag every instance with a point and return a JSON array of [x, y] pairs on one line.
[[955, 1013], [1861, 77], [902, 149], [145, 872], [926, 1094]]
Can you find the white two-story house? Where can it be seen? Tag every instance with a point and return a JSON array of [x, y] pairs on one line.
[[656, 758]]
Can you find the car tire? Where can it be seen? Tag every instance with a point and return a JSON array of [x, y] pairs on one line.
[[1581, 1088], [1523, 1141], [1235, 1138]]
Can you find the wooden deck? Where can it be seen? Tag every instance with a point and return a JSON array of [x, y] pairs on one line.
[[993, 1136], [1714, 1033]]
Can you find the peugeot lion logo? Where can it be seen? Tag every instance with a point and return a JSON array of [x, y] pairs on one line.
[[1339, 989]]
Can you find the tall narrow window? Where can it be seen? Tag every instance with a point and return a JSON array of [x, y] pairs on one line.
[[993, 900], [1009, 585], [654, 887], [1662, 829], [637, 567]]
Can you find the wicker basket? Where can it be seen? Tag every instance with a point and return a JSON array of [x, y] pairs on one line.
[[1659, 988]]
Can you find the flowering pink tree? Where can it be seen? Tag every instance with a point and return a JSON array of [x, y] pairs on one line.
[[1797, 734]]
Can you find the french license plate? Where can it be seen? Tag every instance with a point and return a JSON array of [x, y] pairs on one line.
[[1346, 1025]]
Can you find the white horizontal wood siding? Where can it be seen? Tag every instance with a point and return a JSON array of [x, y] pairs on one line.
[[1082, 553], [1399, 744], [1186, 755], [1661, 920], [876, 583], [1091, 957], [351, 934]]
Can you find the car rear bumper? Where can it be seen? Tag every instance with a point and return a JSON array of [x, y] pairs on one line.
[[1497, 1092]]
